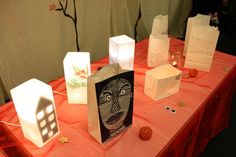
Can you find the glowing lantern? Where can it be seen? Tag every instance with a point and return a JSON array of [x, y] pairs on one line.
[[35, 108], [121, 50], [198, 20], [175, 59], [76, 70], [158, 48]]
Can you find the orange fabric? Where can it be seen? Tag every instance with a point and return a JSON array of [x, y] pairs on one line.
[[199, 105]]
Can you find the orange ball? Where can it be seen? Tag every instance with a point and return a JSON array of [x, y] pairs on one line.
[[145, 133], [192, 72]]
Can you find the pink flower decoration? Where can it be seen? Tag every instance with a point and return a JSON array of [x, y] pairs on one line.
[[52, 7]]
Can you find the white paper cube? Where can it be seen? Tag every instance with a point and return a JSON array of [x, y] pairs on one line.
[[35, 107], [160, 25], [162, 81], [76, 70], [121, 50], [158, 50]]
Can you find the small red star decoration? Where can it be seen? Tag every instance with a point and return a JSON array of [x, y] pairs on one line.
[[52, 7], [63, 139]]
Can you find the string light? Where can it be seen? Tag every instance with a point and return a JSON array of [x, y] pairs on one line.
[[60, 93], [17, 125]]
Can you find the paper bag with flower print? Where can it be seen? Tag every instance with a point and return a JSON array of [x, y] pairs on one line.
[[76, 70]]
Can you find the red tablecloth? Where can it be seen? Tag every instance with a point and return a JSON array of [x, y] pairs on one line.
[[202, 110]]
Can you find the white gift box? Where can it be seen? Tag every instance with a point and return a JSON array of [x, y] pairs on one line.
[[110, 102], [201, 47], [76, 70], [158, 50], [162, 81], [160, 25], [198, 20], [35, 108], [121, 50]]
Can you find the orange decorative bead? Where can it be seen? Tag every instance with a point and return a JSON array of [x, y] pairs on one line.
[[192, 72], [145, 133]]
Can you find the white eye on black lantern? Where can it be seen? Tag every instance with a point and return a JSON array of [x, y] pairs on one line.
[[122, 92], [108, 98]]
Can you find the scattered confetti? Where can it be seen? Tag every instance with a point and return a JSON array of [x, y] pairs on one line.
[[181, 103], [173, 111], [225, 69], [170, 109], [167, 107]]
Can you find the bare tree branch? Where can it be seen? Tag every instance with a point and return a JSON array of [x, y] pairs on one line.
[[63, 8]]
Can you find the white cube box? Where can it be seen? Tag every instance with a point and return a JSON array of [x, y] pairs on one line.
[[121, 50], [76, 71], [35, 107], [162, 81]]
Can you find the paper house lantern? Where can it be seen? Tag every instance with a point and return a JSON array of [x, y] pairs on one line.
[[175, 58], [162, 81], [76, 70], [35, 108], [121, 50]]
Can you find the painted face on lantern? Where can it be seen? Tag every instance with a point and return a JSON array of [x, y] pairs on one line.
[[114, 103]]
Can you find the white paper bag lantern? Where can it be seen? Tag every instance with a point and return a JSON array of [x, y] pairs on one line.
[[121, 50], [110, 102], [201, 47], [35, 108], [160, 25], [162, 81], [76, 70], [198, 20], [158, 50]]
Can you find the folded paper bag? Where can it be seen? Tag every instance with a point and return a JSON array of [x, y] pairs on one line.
[[162, 81], [110, 102], [198, 20], [158, 50], [201, 48], [160, 25]]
